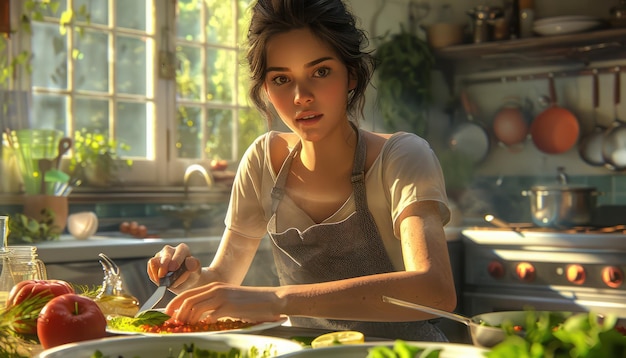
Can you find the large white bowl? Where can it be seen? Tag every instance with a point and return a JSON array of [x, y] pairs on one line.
[[567, 27], [448, 350], [562, 19], [150, 346]]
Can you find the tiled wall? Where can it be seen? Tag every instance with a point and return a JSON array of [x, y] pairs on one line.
[[502, 195]]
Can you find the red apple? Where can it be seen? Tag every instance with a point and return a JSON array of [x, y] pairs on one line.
[[70, 318], [45, 289]]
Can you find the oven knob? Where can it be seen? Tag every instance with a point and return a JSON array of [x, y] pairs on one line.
[[495, 269], [576, 274], [612, 276], [525, 271]]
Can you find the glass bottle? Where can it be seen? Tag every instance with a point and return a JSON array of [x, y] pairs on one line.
[[6, 280], [112, 299]]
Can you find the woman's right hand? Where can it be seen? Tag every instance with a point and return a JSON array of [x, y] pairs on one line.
[[170, 259]]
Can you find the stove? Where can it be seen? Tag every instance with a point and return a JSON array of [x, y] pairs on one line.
[[578, 269]]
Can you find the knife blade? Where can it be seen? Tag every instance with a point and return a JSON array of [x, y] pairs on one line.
[[164, 283]]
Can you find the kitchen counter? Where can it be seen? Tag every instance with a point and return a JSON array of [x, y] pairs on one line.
[[68, 249]]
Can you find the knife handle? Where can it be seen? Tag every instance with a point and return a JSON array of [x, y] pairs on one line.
[[172, 276]]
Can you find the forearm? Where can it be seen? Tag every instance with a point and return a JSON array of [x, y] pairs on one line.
[[361, 298]]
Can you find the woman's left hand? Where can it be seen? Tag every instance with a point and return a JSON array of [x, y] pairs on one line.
[[217, 300]]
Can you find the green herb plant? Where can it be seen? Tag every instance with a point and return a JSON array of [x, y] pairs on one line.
[[133, 324], [404, 64], [24, 229], [98, 153], [12, 344], [582, 335]]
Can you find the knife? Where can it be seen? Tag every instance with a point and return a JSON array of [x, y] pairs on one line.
[[164, 284]]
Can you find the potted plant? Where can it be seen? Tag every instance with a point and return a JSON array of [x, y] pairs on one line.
[[404, 64], [96, 158]]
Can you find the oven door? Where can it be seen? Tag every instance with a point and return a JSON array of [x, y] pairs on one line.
[[514, 299]]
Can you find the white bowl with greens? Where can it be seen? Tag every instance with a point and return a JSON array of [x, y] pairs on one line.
[[251, 346]]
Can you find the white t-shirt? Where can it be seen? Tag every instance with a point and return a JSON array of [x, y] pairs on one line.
[[405, 171]]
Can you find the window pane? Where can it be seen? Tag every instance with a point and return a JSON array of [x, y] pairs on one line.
[[49, 62], [130, 65], [92, 114], [189, 73], [219, 129], [221, 75], [251, 125], [48, 112], [220, 27], [131, 14], [97, 9], [92, 68], [132, 128], [188, 143], [189, 15]]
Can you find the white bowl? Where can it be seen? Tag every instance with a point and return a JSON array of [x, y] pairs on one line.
[[448, 350], [565, 18], [567, 27], [149, 346], [82, 225]]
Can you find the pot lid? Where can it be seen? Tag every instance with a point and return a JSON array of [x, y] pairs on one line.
[[561, 188]]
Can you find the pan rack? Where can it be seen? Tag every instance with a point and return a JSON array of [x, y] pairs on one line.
[[546, 75]]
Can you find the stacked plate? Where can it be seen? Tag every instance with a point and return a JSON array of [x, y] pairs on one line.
[[562, 25]]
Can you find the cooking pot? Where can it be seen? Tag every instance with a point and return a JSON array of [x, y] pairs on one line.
[[562, 205]]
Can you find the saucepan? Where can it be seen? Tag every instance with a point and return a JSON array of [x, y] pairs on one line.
[[485, 329]]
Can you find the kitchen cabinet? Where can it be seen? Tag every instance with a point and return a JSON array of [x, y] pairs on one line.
[[571, 49]]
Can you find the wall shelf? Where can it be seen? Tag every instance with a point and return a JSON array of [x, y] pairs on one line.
[[571, 49]]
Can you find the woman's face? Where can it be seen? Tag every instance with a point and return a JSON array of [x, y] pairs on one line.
[[307, 83]]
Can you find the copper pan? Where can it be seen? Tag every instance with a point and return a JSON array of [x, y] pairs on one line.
[[555, 130]]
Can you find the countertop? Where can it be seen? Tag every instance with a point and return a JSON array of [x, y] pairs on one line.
[[69, 249]]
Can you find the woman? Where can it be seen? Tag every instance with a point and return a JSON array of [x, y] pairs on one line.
[[352, 214]]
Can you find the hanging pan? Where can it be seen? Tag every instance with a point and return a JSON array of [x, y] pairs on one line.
[[555, 130], [590, 147], [614, 144], [470, 137]]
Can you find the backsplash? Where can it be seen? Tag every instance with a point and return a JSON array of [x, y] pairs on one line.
[[502, 196]]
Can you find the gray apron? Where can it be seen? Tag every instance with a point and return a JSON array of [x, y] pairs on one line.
[[335, 251]]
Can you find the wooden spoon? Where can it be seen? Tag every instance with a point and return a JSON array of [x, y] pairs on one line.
[[44, 166]]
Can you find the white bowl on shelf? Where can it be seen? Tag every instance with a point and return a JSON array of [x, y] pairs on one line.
[[562, 19], [567, 27]]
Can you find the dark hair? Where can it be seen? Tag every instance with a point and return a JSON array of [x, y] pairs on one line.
[[327, 19]]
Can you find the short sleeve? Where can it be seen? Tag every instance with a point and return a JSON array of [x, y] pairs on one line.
[[412, 173], [245, 214]]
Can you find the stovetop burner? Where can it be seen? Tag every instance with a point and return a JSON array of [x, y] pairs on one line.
[[499, 224]]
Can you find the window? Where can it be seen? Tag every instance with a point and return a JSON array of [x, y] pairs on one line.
[[164, 77]]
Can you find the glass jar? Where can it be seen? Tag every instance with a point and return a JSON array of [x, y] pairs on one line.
[[25, 264]]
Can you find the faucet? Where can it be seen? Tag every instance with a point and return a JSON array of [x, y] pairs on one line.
[[193, 168]]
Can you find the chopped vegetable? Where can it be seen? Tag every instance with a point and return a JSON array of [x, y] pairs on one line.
[[402, 349], [581, 335]]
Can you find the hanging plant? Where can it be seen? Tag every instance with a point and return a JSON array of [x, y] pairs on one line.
[[404, 81]]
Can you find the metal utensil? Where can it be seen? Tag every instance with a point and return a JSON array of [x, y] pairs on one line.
[[482, 335], [64, 145], [437, 312], [44, 166], [164, 284]]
